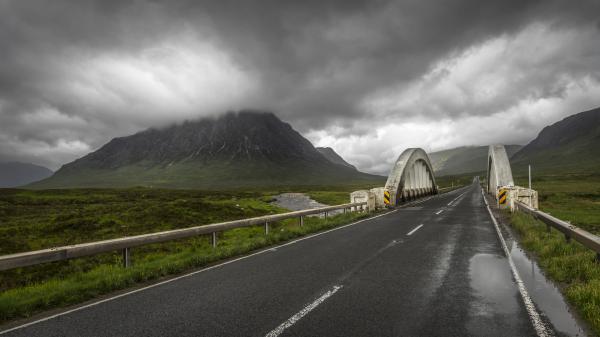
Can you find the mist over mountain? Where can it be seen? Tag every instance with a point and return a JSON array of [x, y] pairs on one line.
[[241, 149], [15, 174], [464, 159], [570, 145], [334, 157]]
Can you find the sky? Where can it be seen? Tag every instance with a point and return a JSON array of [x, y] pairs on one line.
[[367, 78]]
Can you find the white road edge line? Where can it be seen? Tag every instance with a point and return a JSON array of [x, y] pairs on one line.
[[534, 316], [295, 318], [266, 250], [438, 212], [414, 229]]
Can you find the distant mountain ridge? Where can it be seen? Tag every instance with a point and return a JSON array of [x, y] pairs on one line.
[[570, 145], [15, 174], [464, 159], [334, 157], [238, 149]]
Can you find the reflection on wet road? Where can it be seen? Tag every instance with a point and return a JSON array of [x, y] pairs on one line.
[[450, 277], [544, 293], [491, 280]]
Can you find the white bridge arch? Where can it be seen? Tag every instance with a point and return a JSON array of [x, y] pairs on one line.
[[498, 169], [411, 177]]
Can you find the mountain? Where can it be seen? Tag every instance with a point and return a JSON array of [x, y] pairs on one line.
[[241, 149], [14, 174], [465, 159], [333, 157], [571, 145]]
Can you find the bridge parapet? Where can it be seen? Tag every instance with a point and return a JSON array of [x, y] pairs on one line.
[[379, 193], [500, 181], [363, 196], [499, 173]]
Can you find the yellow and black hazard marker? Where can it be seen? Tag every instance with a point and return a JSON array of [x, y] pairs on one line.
[[502, 196], [386, 197]]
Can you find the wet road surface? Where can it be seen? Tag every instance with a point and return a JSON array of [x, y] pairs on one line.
[[433, 269]]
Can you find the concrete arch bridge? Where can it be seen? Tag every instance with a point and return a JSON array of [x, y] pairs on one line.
[[411, 177]]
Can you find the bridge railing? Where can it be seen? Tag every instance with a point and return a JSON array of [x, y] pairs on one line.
[[586, 238], [126, 243]]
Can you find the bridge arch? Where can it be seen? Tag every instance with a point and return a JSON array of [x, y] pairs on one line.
[[499, 172], [411, 177]]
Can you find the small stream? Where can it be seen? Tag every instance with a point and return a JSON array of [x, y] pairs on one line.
[[298, 202]]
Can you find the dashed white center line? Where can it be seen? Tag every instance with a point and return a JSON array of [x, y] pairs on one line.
[[414, 229], [450, 203], [278, 330], [438, 212]]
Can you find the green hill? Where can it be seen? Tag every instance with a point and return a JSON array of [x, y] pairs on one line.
[[238, 150], [571, 145]]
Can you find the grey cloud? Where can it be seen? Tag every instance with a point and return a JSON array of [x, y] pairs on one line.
[[313, 62]]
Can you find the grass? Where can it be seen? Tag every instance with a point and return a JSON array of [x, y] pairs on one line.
[[330, 197], [568, 263], [456, 180], [213, 175], [32, 220], [574, 198]]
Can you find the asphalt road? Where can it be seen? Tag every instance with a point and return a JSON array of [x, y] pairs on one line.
[[449, 277]]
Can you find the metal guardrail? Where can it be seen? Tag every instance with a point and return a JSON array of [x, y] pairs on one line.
[[92, 248], [586, 238]]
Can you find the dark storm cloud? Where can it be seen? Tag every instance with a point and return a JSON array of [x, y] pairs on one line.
[[322, 57], [74, 74]]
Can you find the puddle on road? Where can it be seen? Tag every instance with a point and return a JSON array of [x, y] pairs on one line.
[[496, 309], [299, 201], [491, 279], [544, 293]]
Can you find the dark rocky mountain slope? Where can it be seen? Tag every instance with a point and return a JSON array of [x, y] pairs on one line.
[[334, 157], [570, 145], [241, 149]]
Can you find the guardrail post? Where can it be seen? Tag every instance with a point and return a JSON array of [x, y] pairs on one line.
[[597, 257], [567, 238], [214, 239], [266, 228], [301, 219], [326, 214], [126, 258], [548, 228]]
